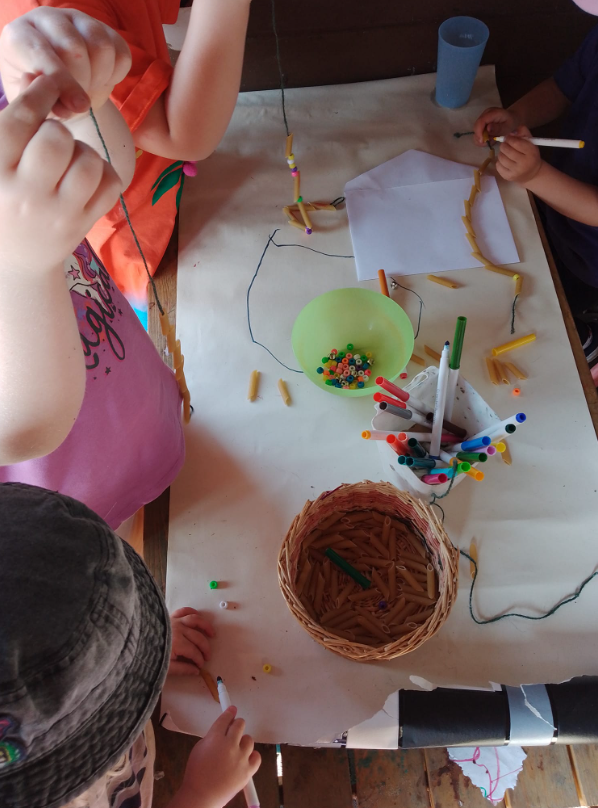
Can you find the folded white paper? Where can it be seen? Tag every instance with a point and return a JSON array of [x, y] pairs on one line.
[[405, 217]]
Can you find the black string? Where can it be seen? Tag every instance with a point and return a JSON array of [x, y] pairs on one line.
[[563, 602], [255, 274], [279, 62], [127, 217], [421, 304], [461, 134], [513, 314]]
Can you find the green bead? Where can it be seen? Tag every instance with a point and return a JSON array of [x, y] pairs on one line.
[[213, 584], [325, 359], [299, 199], [328, 382], [341, 355], [350, 346]]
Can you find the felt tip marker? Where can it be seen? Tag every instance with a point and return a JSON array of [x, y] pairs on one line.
[[471, 445], [454, 365], [554, 142], [396, 402], [408, 415], [497, 431], [394, 390], [249, 791], [440, 401]]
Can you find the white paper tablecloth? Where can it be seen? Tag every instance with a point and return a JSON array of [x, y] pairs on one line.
[[250, 467]]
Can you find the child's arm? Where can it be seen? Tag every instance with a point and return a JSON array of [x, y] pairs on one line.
[[52, 189], [190, 118], [541, 105], [219, 766], [519, 161]]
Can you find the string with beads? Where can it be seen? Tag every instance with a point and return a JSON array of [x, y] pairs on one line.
[[298, 213], [167, 328], [472, 238]]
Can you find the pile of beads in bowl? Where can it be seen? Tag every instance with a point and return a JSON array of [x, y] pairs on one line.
[[350, 369]]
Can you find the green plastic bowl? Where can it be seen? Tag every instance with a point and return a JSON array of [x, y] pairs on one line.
[[369, 320]]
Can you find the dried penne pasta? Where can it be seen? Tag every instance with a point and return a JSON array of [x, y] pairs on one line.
[[432, 353], [409, 578], [421, 599], [303, 576], [310, 589], [341, 620], [385, 530], [310, 538], [518, 284], [515, 370], [414, 561], [395, 610], [417, 546], [472, 195], [334, 584], [377, 516], [392, 583], [210, 684], [506, 455], [308, 607], [356, 516], [468, 226], [473, 552], [289, 145], [254, 380], [344, 594], [417, 360], [319, 592], [284, 392], [485, 165], [379, 546], [346, 635], [327, 572], [403, 614], [492, 371], [477, 179], [370, 624], [431, 582], [332, 519], [375, 576], [334, 613], [467, 209], [317, 554], [328, 541], [404, 628], [392, 544], [381, 563], [365, 593], [502, 373], [421, 617]]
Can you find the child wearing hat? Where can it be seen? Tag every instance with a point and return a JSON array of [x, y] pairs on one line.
[[86, 645]]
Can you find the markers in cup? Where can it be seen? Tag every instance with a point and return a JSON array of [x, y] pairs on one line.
[[454, 365], [394, 390]]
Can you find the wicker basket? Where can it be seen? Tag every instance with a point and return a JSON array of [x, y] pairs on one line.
[[425, 528]]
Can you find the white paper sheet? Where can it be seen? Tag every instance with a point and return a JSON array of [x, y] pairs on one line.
[[492, 769], [251, 466], [405, 217]]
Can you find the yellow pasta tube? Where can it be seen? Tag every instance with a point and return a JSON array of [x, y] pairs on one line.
[[472, 243], [253, 385], [297, 186], [305, 216], [432, 353], [344, 594], [417, 360], [408, 576], [289, 146], [385, 530], [499, 270], [369, 624], [485, 165], [519, 374], [518, 284], [476, 179], [392, 583], [334, 584], [421, 599], [506, 455], [375, 576], [467, 209], [392, 544], [303, 576], [492, 370], [502, 374], [468, 226], [473, 552], [296, 224], [319, 592], [379, 546], [442, 281], [282, 387], [431, 582], [472, 195]]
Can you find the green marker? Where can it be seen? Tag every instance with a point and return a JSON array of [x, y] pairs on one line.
[[346, 567], [454, 365], [473, 457]]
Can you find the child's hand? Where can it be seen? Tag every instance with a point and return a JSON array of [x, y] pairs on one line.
[[518, 160], [496, 121], [84, 57], [53, 189], [220, 765], [190, 647]]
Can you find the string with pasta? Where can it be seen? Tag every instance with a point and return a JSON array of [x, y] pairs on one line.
[[471, 237], [365, 577], [168, 329]]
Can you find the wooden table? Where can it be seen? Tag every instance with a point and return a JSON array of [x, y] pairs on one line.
[[552, 777]]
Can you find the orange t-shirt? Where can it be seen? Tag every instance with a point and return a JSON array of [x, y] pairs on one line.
[[140, 23]]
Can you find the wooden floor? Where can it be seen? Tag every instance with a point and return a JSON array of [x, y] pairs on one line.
[[552, 777]]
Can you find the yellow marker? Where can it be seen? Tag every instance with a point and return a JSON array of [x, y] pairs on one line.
[[500, 446], [518, 284], [289, 146], [468, 226], [506, 455], [432, 353], [502, 374], [475, 475], [515, 371], [516, 343], [284, 392], [473, 552], [267, 668], [366, 434], [492, 370], [443, 281], [418, 360], [254, 381]]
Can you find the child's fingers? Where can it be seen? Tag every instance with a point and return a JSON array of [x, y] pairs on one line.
[[199, 640], [508, 151], [62, 48], [23, 118], [236, 730], [108, 52], [518, 145], [189, 650], [183, 612], [199, 623], [48, 155], [179, 668], [254, 762], [246, 745], [106, 195], [223, 723]]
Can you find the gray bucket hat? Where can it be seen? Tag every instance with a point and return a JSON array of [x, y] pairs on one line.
[[84, 647]]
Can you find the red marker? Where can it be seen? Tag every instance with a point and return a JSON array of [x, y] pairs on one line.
[[414, 402], [397, 445], [378, 397]]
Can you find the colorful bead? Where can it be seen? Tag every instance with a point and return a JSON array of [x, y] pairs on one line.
[[350, 346], [360, 385], [403, 375], [320, 370], [368, 373], [309, 231], [294, 172], [365, 365]]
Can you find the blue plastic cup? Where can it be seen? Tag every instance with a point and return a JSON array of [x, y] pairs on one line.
[[461, 43]]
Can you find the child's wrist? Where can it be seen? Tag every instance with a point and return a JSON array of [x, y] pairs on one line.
[[531, 182]]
